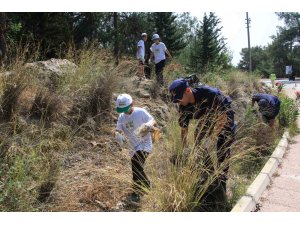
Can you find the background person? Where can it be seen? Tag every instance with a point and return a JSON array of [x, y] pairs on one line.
[[140, 55], [268, 106], [158, 52]]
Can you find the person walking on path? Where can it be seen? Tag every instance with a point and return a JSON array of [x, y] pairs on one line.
[[269, 107], [213, 111], [158, 51], [136, 124], [140, 55]]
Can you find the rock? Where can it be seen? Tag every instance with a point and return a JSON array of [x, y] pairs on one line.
[[48, 71], [143, 88], [160, 113]]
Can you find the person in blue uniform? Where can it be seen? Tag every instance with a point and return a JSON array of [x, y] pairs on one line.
[[213, 110], [268, 105]]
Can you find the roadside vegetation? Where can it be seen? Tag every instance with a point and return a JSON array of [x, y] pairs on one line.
[[57, 148]]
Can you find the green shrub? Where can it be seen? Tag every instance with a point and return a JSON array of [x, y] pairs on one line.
[[288, 112]]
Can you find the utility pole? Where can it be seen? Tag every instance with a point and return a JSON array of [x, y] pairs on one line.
[[249, 48]]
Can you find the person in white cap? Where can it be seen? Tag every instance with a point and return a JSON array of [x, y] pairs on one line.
[[158, 50], [140, 55], [135, 124]]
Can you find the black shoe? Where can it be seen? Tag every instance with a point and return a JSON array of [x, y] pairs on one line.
[[135, 197]]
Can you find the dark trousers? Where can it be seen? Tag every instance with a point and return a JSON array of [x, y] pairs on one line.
[[140, 180], [159, 68], [215, 198]]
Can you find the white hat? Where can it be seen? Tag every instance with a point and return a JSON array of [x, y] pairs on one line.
[[155, 36], [123, 103], [144, 34]]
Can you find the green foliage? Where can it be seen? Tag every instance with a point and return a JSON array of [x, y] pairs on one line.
[[29, 164], [288, 112], [259, 60], [166, 27], [284, 49], [208, 49]]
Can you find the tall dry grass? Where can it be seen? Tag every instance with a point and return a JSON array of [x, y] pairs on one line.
[[182, 187], [31, 154]]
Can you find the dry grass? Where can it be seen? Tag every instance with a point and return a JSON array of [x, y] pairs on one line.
[[177, 188], [12, 88], [68, 166], [31, 155], [47, 106]]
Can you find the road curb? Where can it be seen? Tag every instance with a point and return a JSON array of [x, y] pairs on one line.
[[248, 202]]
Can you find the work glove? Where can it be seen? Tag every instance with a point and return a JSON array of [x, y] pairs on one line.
[[143, 130], [119, 138]]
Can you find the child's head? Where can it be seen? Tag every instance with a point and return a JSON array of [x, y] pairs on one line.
[[144, 37], [124, 103], [155, 38]]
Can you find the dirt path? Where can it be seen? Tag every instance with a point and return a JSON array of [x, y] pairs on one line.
[[284, 193]]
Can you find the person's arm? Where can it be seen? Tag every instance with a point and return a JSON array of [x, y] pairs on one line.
[[220, 124], [253, 102], [138, 51], [119, 132], [168, 53], [255, 98], [148, 125], [184, 120], [151, 56], [184, 134]]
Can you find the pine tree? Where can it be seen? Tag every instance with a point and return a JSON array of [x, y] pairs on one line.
[[166, 27], [208, 48]]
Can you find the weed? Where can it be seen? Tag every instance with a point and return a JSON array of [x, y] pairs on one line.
[[12, 87], [288, 112], [46, 107]]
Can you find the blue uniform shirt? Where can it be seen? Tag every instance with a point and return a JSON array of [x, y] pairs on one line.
[[271, 99], [269, 105], [208, 100]]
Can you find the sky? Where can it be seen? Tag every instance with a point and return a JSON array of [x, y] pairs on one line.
[[262, 26]]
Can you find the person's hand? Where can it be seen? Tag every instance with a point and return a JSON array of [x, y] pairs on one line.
[[151, 61], [144, 129], [119, 138]]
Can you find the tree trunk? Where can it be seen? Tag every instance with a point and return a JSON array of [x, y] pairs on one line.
[[116, 37], [3, 47]]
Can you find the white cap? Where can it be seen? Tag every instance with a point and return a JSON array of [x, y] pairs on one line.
[[144, 34], [155, 36], [123, 102]]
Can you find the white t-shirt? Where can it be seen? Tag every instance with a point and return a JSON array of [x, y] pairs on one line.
[[130, 123], [158, 51], [141, 50]]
